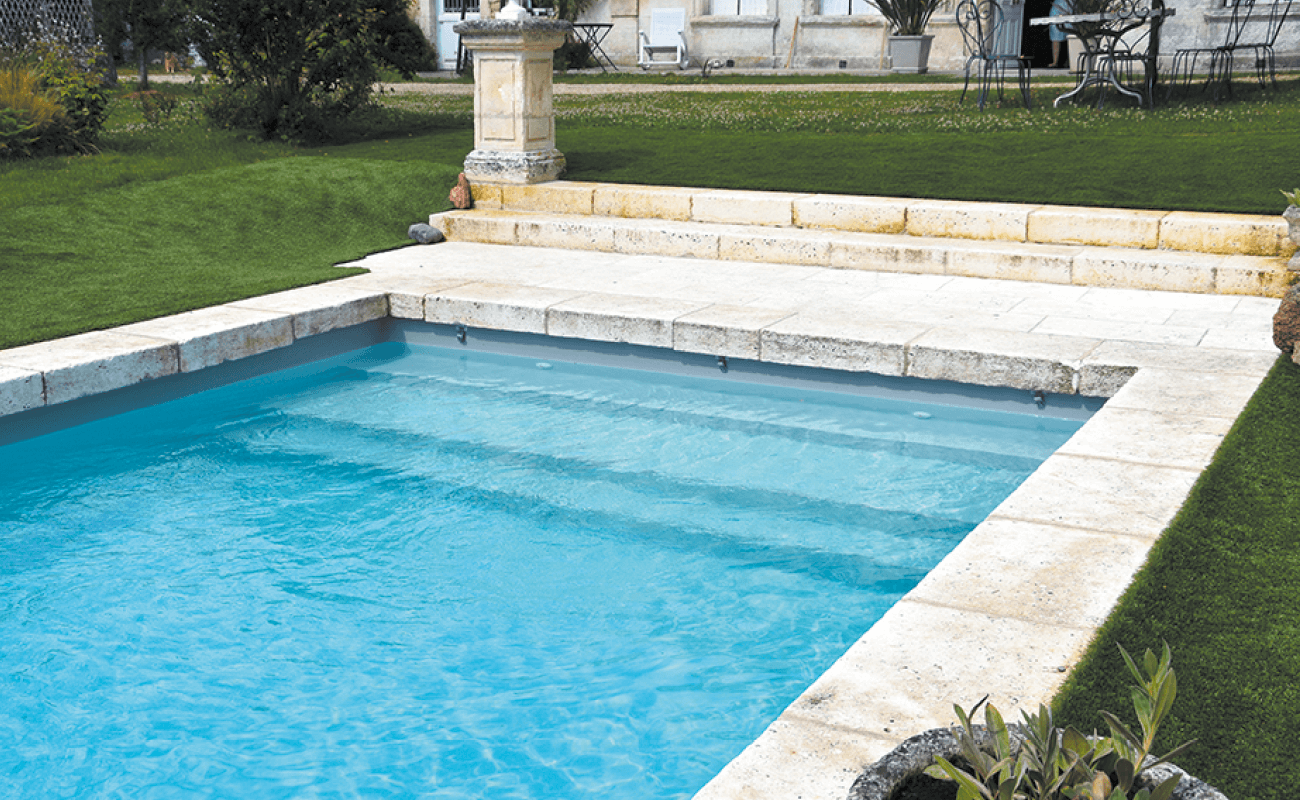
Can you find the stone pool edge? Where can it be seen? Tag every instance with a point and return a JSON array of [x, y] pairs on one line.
[[1007, 613]]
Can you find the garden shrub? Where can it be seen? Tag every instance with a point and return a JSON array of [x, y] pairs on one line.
[[52, 96], [289, 69], [26, 109]]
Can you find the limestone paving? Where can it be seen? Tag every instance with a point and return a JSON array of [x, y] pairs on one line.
[[1007, 613]]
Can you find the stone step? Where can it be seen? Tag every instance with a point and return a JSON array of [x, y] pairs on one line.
[[1167, 251]]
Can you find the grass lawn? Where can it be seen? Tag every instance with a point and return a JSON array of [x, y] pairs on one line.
[[1221, 587], [174, 216]]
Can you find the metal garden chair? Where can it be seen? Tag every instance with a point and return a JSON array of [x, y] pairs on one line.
[[992, 52]]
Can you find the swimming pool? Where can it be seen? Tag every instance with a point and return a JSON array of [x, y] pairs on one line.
[[412, 571]]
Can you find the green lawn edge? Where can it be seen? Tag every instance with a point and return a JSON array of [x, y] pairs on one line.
[[1221, 587]]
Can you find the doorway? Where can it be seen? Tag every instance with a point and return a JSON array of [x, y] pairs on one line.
[[451, 12], [1036, 44]]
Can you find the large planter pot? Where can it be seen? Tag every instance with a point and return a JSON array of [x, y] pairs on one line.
[[909, 54], [900, 775], [1292, 217]]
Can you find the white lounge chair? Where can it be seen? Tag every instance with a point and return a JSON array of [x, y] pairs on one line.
[[667, 37]]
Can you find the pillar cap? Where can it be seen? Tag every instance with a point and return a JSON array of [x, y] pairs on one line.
[[507, 27]]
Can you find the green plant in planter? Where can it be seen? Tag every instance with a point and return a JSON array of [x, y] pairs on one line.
[[907, 17], [1055, 764]]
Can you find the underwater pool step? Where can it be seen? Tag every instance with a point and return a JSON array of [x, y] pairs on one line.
[[659, 509], [1167, 251]]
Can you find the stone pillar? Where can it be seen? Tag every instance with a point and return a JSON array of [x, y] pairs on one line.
[[514, 121]]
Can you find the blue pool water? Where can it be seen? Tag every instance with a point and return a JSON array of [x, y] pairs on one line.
[[419, 572]]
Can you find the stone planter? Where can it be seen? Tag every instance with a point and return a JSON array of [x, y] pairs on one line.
[[910, 54], [1292, 217], [902, 766]]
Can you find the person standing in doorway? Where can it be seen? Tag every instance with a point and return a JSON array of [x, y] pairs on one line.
[[1054, 32]]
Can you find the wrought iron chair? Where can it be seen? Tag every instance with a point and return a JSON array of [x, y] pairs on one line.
[[990, 49], [1265, 57], [1220, 69]]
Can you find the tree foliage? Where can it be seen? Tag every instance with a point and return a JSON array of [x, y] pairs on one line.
[[148, 24], [287, 68]]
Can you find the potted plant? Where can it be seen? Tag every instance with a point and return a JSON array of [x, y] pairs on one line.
[[1039, 761], [1292, 216], [909, 44]]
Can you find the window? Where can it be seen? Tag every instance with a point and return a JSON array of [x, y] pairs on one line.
[[848, 8], [743, 8]]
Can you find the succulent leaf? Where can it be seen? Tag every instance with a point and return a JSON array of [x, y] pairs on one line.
[[967, 783], [1166, 788]]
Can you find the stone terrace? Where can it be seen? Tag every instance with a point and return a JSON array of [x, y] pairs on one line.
[[995, 616]]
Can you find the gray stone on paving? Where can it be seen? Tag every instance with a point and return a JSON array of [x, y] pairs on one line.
[[424, 233], [210, 336], [20, 390], [93, 363], [504, 307]]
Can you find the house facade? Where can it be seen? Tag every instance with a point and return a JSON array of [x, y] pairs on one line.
[[850, 34]]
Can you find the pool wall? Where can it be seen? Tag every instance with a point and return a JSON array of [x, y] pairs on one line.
[[1007, 613]]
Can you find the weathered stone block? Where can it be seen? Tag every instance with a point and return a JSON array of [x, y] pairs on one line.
[[643, 202], [1011, 261], [1260, 276], [775, 247], [839, 342], [504, 307], [965, 220], [1101, 227], [847, 213], [1229, 234], [317, 309], [724, 330], [618, 318], [999, 358], [92, 363], [667, 240], [20, 389], [555, 197], [1146, 269], [744, 208], [885, 253], [210, 336]]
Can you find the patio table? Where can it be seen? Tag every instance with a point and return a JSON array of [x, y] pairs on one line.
[[592, 34], [1102, 36]]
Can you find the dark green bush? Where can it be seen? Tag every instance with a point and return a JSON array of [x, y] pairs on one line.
[[289, 69]]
